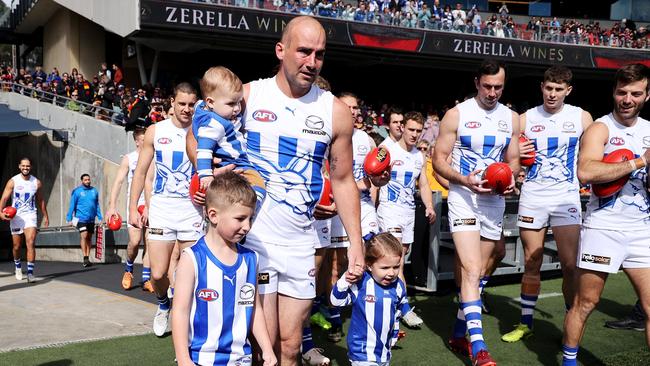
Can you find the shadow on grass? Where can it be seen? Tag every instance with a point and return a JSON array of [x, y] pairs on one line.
[[41, 280], [57, 363]]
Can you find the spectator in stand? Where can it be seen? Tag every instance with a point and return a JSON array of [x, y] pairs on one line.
[[117, 75], [503, 11], [138, 111], [104, 71], [74, 73], [424, 17], [498, 31], [73, 104], [348, 12], [431, 128], [447, 18], [54, 75], [459, 13], [436, 15], [305, 9], [85, 89], [21, 75], [39, 74], [361, 15]]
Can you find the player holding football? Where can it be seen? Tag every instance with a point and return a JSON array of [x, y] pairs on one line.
[[477, 133], [615, 228], [551, 193]]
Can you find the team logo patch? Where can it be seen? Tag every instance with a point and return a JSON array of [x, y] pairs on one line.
[[164, 140], [396, 162], [526, 219], [596, 259], [370, 298], [154, 231], [312, 272], [314, 122], [263, 278], [246, 294], [646, 141], [464, 222], [207, 294], [618, 141], [537, 128], [573, 210], [473, 124], [325, 230], [263, 115]]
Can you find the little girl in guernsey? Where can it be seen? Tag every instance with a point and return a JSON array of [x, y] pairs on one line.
[[376, 302]]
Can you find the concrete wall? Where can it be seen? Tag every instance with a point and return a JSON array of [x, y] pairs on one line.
[[70, 40], [121, 17]]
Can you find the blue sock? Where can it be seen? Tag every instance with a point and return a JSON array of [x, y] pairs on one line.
[[335, 317], [146, 274], [129, 266], [483, 283], [307, 340], [163, 302], [528, 303], [569, 355], [472, 311], [460, 325], [30, 267], [405, 308], [315, 306], [17, 263]]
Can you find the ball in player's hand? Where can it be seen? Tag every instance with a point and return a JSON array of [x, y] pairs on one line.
[[377, 161], [195, 185], [115, 222], [527, 161], [9, 211], [611, 188], [498, 176], [325, 199]]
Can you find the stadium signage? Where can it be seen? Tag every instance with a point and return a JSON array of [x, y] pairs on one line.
[[499, 49], [208, 18]]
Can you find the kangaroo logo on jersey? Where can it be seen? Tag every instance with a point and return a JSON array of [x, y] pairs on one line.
[[246, 295], [263, 115], [164, 140], [618, 141], [537, 128], [473, 124], [207, 294], [370, 298], [174, 181]]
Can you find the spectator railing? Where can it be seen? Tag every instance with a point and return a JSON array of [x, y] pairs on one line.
[[113, 116]]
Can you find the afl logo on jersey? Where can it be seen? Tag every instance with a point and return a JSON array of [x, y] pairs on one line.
[[618, 141], [262, 115], [370, 298], [573, 210], [398, 162], [207, 294], [164, 140], [473, 124], [537, 128]]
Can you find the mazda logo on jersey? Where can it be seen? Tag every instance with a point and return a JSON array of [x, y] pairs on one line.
[[246, 294], [473, 124], [568, 126], [618, 141], [503, 125], [537, 128], [314, 122], [262, 115], [646, 141], [362, 149], [164, 140], [207, 294]]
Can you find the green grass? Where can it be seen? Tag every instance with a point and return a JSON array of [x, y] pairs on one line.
[[601, 346]]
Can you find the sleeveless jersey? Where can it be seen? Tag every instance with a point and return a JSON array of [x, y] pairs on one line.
[[24, 194], [287, 141], [400, 190], [387, 141], [556, 138], [173, 167], [360, 148], [133, 162], [222, 306], [482, 139], [629, 208]]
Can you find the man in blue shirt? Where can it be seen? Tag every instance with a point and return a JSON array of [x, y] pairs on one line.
[[84, 205]]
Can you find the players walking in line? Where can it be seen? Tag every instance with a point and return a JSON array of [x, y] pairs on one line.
[[24, 189], [290, 126], [477, 133], [127, 167], [550, 195], [396, 210], [376, 299], [171, 215], [216, 305], [615, 228], [84, 207]]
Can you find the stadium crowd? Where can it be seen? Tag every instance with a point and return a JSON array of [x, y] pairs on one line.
[[418, 14]]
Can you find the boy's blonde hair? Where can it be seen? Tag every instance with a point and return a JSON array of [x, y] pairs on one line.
[[381, 245], [228, 189], [219, 77]]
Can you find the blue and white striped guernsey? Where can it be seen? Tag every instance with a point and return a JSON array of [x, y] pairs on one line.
[[215, 134], [222, 307], [375, 309]]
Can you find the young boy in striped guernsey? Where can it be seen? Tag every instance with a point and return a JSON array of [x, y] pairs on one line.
[[216, 305], [217, 128], [376, 302]]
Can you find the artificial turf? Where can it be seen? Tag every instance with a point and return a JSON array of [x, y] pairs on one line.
[[426, 346]]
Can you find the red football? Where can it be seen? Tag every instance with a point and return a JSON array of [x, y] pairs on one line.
[[9, 211], [611, 188], [377, 161], [498, 176], [115, 222], [527, 161], [140, 209], [195, 184], [325, 199]]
